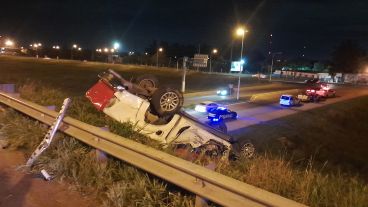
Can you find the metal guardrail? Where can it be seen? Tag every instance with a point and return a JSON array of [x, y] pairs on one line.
[[216, 187]]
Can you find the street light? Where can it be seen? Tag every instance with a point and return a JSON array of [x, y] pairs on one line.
[[75, 46], [214, 51], [158, 50], [9, 43], [56, 47], [273, 55], [116, 45], [240, 32], [35, 46]]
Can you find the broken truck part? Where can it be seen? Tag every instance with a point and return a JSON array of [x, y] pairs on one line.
[[49, 135]]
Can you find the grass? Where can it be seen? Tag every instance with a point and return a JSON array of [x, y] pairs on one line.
[[336, 133], [75, 77]]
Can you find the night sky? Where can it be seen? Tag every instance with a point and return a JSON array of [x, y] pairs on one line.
[[318, 25]]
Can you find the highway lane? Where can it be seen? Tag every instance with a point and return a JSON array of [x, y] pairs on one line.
[[250, 113], [245, 93]]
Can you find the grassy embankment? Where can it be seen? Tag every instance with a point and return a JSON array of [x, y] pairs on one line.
[[75, 77], [119, 184]]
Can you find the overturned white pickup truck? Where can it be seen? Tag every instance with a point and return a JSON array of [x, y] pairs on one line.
[[155, 112]]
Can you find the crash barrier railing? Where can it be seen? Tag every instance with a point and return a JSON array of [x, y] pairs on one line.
[[208, 184], [272, 95]]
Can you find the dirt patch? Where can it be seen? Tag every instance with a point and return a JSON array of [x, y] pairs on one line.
[[19, 189]]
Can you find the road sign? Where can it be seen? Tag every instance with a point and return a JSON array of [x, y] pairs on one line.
[[236, 66], [200, 60]]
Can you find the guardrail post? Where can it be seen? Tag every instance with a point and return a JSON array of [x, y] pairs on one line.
[[101, 156], [199, 201]]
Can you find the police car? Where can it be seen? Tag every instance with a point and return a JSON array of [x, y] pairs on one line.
[[221, 113]]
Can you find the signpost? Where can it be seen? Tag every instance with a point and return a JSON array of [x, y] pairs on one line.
[[200, 60], [185, 60], [236, 66]]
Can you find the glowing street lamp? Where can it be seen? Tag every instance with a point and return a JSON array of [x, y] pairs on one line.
[[116, 45], [158, 51], [106, 49], [79, 49], [35, 46], [74, 47], [112, 50], [240, 31], [214, 51], [56, 47], [9, 43]]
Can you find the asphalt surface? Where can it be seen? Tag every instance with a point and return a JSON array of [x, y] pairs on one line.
[[245, 93], [252, 113]]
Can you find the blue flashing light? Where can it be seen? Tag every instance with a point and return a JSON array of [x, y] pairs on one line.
[[214, 119], [221, 108]]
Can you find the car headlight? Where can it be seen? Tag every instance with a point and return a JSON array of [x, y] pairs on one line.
[[223, 92]]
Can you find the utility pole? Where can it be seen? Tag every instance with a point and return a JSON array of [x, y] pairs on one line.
[[272, 56], [184, 74]]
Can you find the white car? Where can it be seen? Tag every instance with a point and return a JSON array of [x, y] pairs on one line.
[[206, 106], [289, 100]]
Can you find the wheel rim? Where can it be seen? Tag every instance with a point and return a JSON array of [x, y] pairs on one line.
[[147, 83], [169, 101], [247, 150]]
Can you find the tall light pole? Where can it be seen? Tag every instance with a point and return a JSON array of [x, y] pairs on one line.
[[214, 51], [71, 51], [240, 32], [273, 55], [57, 48], [36, 46], [158, 51]]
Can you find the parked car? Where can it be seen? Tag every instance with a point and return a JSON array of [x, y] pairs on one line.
[[289, 100], [206, 106], [221, 113]]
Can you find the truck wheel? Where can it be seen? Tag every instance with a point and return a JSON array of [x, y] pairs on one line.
[[247, 150], [167, 101], [147, 81]]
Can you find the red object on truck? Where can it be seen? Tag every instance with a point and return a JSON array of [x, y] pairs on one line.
[[100, 95]]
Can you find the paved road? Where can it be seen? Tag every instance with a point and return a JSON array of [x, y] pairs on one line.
[[251, 114], [245, 93]]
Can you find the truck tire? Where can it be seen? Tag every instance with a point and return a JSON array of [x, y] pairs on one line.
[[147, 81], [247, 150], [167, 101]]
